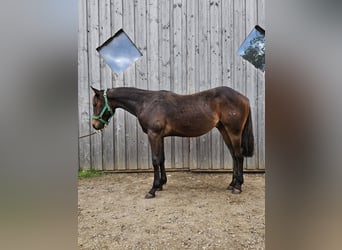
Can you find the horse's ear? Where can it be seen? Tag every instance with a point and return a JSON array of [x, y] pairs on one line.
[[96, 91]]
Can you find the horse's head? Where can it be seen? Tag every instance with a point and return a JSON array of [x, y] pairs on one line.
[[102, 112]]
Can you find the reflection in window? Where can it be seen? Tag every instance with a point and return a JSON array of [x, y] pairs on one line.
[[119, 52], [253, 48]]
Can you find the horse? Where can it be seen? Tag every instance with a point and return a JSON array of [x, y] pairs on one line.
[[164, 113]]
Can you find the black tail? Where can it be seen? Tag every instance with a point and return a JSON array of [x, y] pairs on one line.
[[248, 137]]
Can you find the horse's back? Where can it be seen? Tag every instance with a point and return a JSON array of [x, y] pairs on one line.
[[170, 102]]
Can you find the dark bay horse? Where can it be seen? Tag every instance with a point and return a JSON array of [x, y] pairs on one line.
[[164, 113]]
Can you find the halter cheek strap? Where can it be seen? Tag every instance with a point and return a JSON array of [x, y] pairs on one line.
[[105, 108]]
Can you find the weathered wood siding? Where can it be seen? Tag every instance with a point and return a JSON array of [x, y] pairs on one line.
[[187, 46]]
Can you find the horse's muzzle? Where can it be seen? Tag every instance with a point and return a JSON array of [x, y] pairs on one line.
[[97, 124]]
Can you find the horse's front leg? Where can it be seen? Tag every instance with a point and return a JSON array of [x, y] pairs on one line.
[[163, 177], [156, 143]]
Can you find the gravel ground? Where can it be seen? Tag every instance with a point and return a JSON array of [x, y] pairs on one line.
[[194, 211]]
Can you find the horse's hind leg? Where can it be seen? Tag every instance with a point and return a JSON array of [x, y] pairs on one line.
[[156, 143], [233, 143], [228, 143], [237, 156]]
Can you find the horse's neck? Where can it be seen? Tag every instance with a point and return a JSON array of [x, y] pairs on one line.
[[129, 99]]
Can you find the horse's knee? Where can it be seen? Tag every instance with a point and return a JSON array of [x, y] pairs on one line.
[[156, 183]]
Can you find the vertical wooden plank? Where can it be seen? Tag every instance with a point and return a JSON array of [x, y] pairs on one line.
[[83, 88], [204, 144], [141, 75], [165, 64], [227, 60], [153, 35], [164, 45], [171, 41], [215, 44], [227, 41], [261, 13], [185, 141], [215, 75], [119, 117], [239, 36], [129, 79], [176, 70], [260, 122], [252, 81], [106, 82], [191, 69], [94, 75], [198, 62]]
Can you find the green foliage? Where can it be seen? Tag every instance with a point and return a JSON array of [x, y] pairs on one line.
[[255, 53], [89, 173]]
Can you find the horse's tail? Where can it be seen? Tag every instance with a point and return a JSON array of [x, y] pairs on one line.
[[248, 137]]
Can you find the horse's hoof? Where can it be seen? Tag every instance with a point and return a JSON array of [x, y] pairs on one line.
[[149, 196], [230, 187], [236, 191]]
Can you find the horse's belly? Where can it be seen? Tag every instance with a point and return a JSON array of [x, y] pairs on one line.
[[191, 128], [192, 131]]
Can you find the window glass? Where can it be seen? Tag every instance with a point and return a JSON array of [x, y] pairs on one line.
[[253, 48], [119, 52]]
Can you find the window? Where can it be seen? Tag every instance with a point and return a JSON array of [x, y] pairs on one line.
[[119, 52], [253, 48]]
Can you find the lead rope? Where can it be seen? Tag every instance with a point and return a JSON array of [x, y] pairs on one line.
[[96, 132], [83, 136]]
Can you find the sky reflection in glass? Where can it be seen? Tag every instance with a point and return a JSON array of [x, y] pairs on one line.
[[253, 48], [119, 52]]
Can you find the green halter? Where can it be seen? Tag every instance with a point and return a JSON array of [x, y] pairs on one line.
[[105, 108]]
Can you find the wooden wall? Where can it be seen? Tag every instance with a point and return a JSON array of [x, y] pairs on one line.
[[187, 46]]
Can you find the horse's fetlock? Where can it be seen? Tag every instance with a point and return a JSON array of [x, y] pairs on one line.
[[156, 184]]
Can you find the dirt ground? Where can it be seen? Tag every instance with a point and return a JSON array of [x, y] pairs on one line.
[[194, 211]]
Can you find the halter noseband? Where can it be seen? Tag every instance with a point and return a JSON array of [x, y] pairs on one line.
[[105, 108]]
